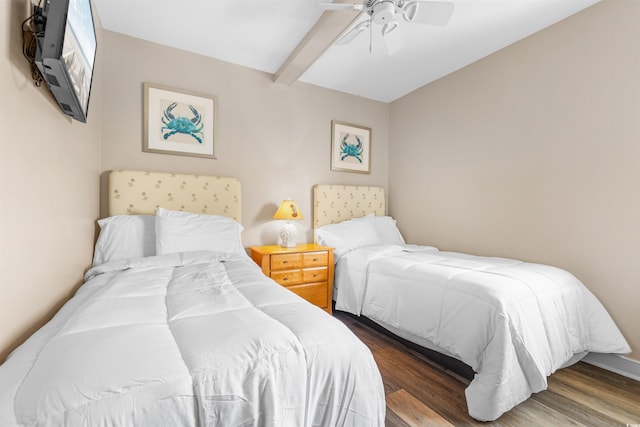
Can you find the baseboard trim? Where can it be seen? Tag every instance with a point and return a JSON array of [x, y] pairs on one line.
[[615, 363]]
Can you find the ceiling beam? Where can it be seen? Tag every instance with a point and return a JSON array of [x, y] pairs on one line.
[[320, 38]]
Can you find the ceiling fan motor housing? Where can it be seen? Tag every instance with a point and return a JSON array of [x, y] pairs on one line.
[[383, 12]]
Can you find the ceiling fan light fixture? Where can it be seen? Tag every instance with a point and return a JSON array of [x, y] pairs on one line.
[[388, 27], [383, 12]]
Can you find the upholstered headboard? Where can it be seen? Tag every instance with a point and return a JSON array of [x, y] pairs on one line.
[[336, 203], [142, 192]]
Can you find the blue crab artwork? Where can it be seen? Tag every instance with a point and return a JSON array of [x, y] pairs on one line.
[[187, 126], [351, 150]]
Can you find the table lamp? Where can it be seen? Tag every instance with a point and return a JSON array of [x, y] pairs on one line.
[[288, 210]]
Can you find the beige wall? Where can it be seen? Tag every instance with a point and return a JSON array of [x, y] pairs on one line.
[[534, 153], [275, 139], [49, 183]]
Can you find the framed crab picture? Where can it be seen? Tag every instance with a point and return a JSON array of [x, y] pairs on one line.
[[350, 147], [178, 122]]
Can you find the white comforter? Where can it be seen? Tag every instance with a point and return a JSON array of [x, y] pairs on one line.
[[514, 323], [190, 339]]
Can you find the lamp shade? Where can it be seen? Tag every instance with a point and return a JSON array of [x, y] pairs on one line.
[[288, 210]]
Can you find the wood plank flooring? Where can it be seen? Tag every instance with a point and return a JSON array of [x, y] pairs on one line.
[[421, 393]]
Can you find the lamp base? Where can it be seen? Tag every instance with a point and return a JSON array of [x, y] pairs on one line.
[[288, 235]]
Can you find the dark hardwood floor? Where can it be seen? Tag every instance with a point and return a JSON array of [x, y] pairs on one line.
[[420, 393]]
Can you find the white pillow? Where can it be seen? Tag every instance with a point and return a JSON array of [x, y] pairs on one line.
[[388, 230], [125, 236], [178, 231], [348, 235]]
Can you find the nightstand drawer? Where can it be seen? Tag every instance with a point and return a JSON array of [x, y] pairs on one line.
[[287, 278], [286, 261], [306, 269], [317, 274], [315, 293], [315, 259]]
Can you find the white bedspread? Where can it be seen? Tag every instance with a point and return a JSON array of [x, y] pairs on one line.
[[190, 339], [514, 323]]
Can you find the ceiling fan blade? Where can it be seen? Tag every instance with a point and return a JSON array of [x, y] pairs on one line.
[[353, 33], [341, 6], [428, 12], [393, 37]]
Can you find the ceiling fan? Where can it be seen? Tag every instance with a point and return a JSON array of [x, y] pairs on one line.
[[386, 12]]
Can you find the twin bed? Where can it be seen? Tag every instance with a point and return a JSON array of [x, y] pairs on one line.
[[511, 323], [176, 325]]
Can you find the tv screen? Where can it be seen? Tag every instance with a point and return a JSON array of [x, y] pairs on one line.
[[66, 53]]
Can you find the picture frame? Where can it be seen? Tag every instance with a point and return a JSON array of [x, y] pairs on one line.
[[179, 122], [350, 147]]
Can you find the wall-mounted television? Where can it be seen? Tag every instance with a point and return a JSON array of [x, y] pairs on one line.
[[66, 52]]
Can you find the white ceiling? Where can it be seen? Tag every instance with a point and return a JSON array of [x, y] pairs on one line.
[[261, 34]]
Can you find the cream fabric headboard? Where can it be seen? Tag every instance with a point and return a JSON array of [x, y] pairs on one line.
[[142, 192], [336, 203]]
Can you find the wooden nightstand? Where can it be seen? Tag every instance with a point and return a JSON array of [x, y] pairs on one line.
[[306, 270]]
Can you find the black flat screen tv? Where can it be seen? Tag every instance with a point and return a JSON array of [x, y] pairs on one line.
[[66, 53]]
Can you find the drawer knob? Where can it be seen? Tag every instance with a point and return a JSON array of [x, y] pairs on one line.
[[315, 275], [285, 279], [285, 262], [315, 259]]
